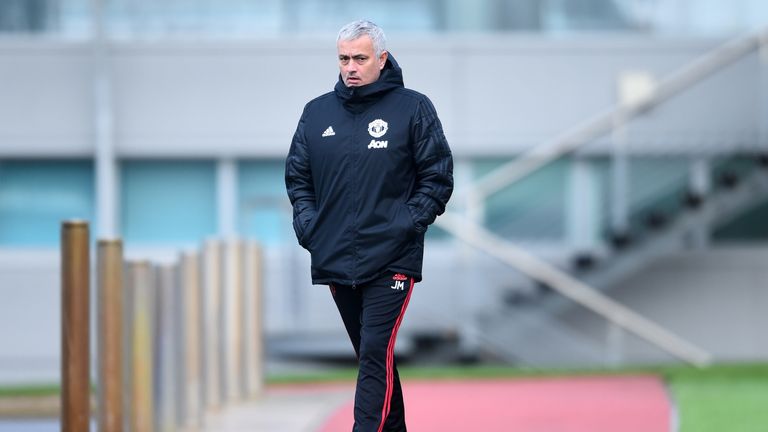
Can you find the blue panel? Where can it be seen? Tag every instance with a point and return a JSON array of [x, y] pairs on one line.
[[35, 196], [264, 211], [168, 201]]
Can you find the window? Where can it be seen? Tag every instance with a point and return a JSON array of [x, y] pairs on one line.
[[264, 212], [37, 195], [168, 201], [532, 208]]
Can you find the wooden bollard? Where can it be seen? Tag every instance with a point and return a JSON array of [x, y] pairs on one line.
[[212, 305], [75, 337], [189, 384], [253, 358], [139, 288], [232, 286], [166, 339], [110, 335]]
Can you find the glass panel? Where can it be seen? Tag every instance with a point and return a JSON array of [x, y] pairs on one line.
[[656, 189], [656, 179], [750, 226], [36, 196], [264, 211], [747, 227], [168, 201], [533, 208], [65, 18]]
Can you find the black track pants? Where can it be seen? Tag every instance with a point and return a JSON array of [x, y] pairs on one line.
[[372, 314]]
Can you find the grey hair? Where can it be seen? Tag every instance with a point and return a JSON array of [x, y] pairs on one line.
[[359, 28]]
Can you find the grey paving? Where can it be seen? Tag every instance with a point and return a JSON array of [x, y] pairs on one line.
[[282, 409]]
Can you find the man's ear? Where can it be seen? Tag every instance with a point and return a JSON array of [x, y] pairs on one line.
[[383, 59]]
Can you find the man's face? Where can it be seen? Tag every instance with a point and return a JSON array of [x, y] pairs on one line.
[[357, 61]]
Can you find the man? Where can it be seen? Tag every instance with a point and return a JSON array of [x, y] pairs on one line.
[[368, 171]]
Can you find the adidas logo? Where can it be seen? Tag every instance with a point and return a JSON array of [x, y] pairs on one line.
[[329, 132], [400, 277]]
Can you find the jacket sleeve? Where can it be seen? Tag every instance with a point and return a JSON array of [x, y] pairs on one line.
[[434, 167], [299, 184]]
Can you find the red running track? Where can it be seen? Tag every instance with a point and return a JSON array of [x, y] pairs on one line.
[[579, 404]]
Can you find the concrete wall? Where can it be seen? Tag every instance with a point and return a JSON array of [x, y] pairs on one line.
[[495, 94], [716, 299], [30, 311]]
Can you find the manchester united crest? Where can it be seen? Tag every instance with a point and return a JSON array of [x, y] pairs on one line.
[[377, 128]]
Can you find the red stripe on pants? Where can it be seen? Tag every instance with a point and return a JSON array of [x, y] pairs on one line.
[[391, 358]]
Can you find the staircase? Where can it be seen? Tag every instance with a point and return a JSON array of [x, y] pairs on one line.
[[527, 328], [677, 232]]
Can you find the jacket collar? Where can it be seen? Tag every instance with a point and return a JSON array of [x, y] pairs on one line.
[[358, 99]]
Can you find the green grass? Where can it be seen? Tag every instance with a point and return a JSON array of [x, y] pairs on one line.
[[720, 398], [342, 374], [30, 391], [730, 398]]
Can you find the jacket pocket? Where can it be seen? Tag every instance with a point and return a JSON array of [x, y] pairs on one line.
[[408, 216], [416, 228], [303, 225]]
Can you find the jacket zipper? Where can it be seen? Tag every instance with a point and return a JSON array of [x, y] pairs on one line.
[[353, 188]]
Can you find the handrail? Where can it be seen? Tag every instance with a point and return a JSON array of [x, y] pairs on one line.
[[602, 123], [622, 316]]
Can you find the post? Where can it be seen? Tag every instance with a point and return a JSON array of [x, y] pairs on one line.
[[140, 285], [165, 342], [583, 211], [103, 116], [232, 336], [633, 88], [211, 298], [253, 352], [466, 303], [619, 179], [227, 197], [189, 384], [762, 108], [699, 185], [75, 340], [110, 334]]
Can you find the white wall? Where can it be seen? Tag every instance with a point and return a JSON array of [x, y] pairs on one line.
[[715, 299], [30, 313], [495, 94]]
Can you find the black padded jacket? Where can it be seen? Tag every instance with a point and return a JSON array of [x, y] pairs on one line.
[[367, 172]]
